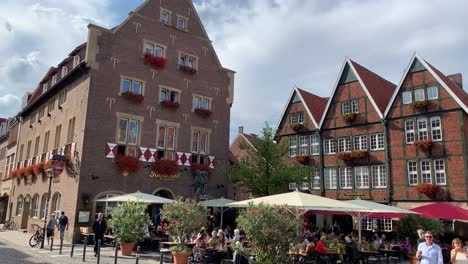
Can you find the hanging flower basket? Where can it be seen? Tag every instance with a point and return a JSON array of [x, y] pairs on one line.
[[203, 112], [352, 156], [420, 105], [424, 145], [169, 104], [154, 61], [187, 69], [303, 159], [139, 98], [349, 117], [200, 167], [166, 167], [127, 163], [428, 189], [296, 126]]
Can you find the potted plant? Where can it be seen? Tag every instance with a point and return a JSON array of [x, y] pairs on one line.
[[420, 105], [127, 164], [134, 96], [271, 229], [185, 218], [154, 61], [349, 117], [427, 189], [424, 145], [129, 221], [169, 104], [166, 167]]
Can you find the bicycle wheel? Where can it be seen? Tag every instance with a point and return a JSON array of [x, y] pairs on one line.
[[12, 226], [33, 241], [5, 226]]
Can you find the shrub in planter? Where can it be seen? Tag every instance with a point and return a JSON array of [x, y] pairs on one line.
[[271, 229], [129, 221], [424, 145], [420, 105], [203, 112], [169, 104], [127, 163], [154, 61], [134, 97], [427, 189], [166, 167], [185, 218], [349, 117], [187, 69]]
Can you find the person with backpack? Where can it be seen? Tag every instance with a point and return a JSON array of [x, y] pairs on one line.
[[63, 224]]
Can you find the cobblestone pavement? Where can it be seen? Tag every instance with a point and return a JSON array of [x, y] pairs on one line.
[[14, 248]]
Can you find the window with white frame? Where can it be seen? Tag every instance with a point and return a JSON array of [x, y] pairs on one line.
[[362, 177], [51, 105], [303, 145], [304, 186], [379, 176], [360, 142], [409, 131], [385, 224], [154, 49], [407, 97], [292, 143], [166, 141], [56, 203], [300, 117], [188, 61], [200, 145], [354, 106], [165, 16], [412, 173], [422, 129], [419, 95], [35, 206], [314, 144], [432, 92], [45, 87], [436, 128], [345, 109], [181, 23], [19, 205], [64, 70], [127, 136], [346, 179], [377, 141], [330, 178], [54, 80], [62, 97], [426, 176], [43, 205], [292, 186], [344, 144], [316, 178], [76, 60], [129, 85], [329, 146], [169, 95], [439, 169], [201, 103], [293, 118], [366, 223]]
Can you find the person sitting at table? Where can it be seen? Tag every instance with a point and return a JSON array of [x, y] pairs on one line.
[[321, 249], [240, 254], [383, 241], [213, 241], [374, 243], [336, 245], [236, 235], [364, 245], [201, 239], [408, 246]]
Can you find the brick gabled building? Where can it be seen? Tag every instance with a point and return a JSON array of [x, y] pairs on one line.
[[431, 108], [150, 88]]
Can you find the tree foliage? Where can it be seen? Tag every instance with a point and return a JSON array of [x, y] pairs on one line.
[[267, 169], [408, 226]]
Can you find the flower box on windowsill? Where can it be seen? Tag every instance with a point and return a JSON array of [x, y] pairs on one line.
[[154, 61], [352, 156], [203, 112], [127, 163], [420, 105], [169, 104], [303, 159], [349, 117], [187, 69], [166, 167], [428, 189], [296, 126], [134, 97], [423, 145]]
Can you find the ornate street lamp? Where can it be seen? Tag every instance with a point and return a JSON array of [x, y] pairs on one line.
[[58, 164]]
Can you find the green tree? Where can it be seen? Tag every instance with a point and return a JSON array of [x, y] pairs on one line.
[[129, 221], [408, 226], [267, 169]]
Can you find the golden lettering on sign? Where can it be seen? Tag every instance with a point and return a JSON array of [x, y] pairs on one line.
[[352, 196], [153, 174]]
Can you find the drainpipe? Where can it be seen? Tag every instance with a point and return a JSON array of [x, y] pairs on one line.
[[322, 165], [388, 163]]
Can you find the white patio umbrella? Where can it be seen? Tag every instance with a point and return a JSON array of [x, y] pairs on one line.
[[137, 196], [218, 203]]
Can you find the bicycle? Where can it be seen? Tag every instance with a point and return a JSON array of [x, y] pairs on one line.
[[9, 224], [37, 238]]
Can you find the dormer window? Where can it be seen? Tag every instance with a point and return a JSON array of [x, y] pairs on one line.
[[54, 79], [45, 86], [64, 70], [182, 22], [76, 60], [165, 16]]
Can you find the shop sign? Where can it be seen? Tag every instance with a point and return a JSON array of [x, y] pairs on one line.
[[353, 196]]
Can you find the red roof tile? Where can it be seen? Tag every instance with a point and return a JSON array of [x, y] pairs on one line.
[[2, 120], [380, 89], [461, 94], [315, 104], [250, 137], [231, 156]]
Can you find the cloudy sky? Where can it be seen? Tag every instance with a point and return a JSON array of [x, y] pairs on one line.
[[271, 44]]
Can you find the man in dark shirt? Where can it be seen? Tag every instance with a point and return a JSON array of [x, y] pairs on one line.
[[63, 224], [99, 228]]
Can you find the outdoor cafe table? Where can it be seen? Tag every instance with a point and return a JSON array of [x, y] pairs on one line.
[[296, 256], [390, 252], [173, 243], [367, 253]]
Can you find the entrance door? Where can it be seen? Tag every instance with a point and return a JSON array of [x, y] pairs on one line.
[[25, 215], [3, 209]]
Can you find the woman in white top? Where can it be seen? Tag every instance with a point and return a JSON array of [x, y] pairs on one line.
[[458, 255], [239, 253]]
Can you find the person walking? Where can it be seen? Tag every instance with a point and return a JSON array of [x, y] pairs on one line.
[[63, 224], [99, 228], [51, 227], [429, 252]]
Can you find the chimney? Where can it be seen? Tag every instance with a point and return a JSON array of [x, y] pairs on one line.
[[457, 79], [241, 130]]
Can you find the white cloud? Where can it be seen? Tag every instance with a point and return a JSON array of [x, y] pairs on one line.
[[8, 103]]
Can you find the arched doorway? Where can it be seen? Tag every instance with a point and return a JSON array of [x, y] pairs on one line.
[[3, 208], [164, 193]]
